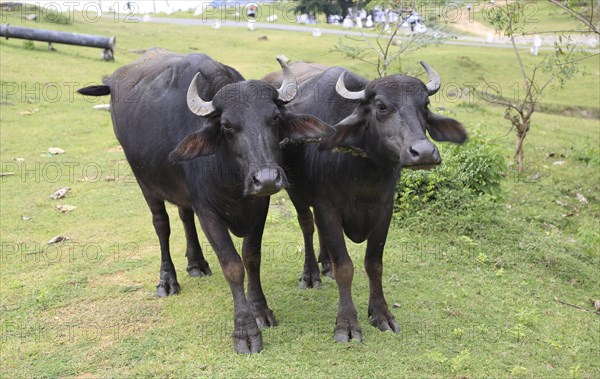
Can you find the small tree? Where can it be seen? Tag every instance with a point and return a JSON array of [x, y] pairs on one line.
[[384, 49], [556, 67]]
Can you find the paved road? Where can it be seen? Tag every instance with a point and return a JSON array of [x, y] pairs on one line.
[[459, 41]]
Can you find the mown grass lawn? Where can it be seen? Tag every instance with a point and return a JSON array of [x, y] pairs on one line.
[[476, 290]]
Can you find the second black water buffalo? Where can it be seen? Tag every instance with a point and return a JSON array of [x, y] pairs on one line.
[[380, 128], [219, 158]]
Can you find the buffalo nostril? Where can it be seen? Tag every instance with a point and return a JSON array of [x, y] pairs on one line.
[[413, 152], [255, 180]]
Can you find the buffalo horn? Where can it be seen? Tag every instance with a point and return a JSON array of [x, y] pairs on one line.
[[195, 103], [341, 89], [434, 79], [289, 86]]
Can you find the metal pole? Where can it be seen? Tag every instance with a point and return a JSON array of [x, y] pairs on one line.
[[89, 40]]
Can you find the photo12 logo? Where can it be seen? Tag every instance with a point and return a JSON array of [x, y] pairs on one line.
[[55, 92], [67, 252], [66, 172], [66, 12]]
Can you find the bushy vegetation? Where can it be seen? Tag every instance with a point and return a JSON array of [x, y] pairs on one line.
[[468, 171], [28, 45], [588, 154], [56, 17]]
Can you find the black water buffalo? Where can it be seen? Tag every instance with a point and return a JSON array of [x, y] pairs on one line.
[[382, 124], [219, 158]]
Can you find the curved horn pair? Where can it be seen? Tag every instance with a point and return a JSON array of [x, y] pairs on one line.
[[432, 87], [286, 93]]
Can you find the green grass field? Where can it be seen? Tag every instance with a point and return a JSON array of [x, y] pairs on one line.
[[541, 16], [477, 292]]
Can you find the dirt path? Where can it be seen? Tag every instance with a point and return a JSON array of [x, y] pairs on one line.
[[467, 22]]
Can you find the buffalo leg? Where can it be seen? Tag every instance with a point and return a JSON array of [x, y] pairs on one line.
[[197, 265], [324, 257], [251, 254], [346, 325], [167, 284], [379, 313], [310, 275], [246, 334]]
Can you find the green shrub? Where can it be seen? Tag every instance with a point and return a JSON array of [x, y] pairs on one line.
[[55, 17], [588, 154], [28, 45], [467, 171]]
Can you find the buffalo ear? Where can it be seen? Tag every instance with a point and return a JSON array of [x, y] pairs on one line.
[[443, 128], [348, 133], [304, 127], [195, 145]]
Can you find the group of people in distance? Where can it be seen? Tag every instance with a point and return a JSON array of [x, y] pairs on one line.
[[369, 19]]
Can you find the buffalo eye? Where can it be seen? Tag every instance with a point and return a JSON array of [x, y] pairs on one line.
[[381, 107], [226, 127], [276, 118]]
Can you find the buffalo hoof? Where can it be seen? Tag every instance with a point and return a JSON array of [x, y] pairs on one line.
[[310, 280], [247, 339], [264, 318], [167, 288], [384, 322], [347, 330], [199, 271], [326, 270]]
